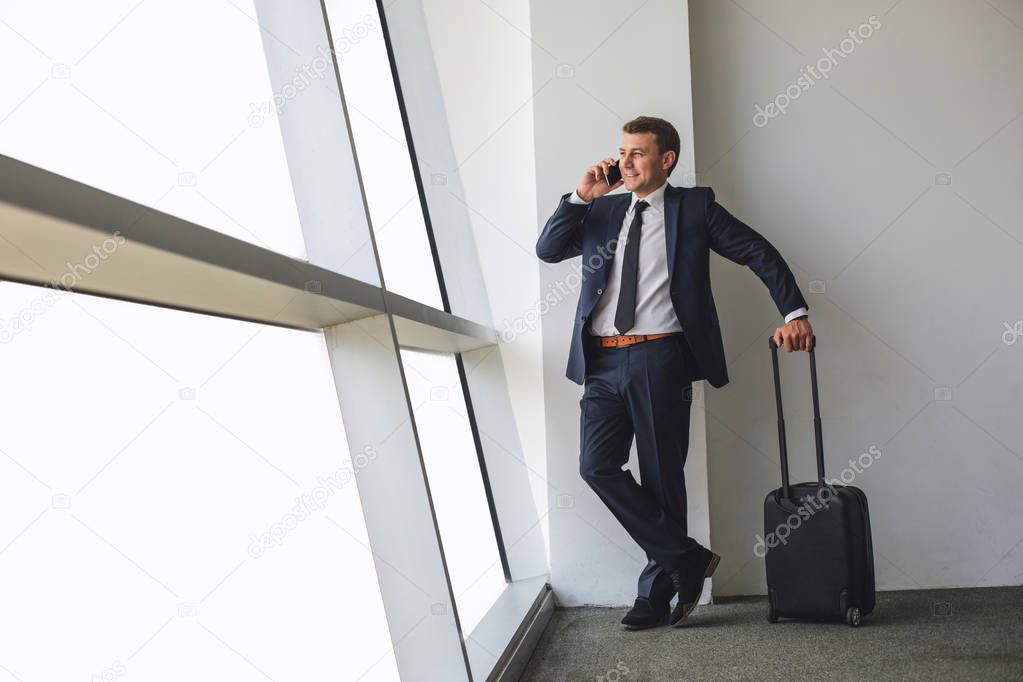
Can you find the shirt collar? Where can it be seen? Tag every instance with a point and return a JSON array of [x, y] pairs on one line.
[[655, 198]]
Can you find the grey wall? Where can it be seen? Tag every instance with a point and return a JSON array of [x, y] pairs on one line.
[[892, 189]]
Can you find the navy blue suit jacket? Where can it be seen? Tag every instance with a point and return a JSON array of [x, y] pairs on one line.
[[694, 223]]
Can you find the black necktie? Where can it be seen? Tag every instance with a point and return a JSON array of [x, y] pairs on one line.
[[625, 315]]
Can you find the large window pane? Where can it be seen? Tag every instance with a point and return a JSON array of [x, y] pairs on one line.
[[456, 483], [164, 102], [177, 500], [384, 161]]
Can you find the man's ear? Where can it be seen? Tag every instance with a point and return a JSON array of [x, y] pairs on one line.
[[668, 159]]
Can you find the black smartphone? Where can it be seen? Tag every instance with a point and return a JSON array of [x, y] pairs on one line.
[[614, 174]]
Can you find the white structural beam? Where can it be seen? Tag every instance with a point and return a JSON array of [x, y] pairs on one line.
[[60, 232], [396, 504], [368, 373], [317, 143]]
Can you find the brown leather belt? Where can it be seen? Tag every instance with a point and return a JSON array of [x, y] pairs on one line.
[[627, 339]]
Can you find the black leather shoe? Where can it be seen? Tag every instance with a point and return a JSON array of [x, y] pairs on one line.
[[663, 589], [690, 586], [645, 614]]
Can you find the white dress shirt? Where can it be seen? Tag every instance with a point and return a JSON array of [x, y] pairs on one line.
[[654, 310]]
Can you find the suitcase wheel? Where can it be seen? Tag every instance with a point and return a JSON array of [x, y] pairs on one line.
[[852, 616]]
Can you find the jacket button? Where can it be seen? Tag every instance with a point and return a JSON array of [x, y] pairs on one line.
[[600, 291]]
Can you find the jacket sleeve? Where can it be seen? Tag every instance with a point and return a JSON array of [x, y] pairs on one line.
[[562, 236], [741, 244]]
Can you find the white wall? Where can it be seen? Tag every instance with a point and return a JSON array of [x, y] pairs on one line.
[[585, 90], [894, 184]]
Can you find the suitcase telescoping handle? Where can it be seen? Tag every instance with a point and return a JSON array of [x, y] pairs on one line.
[[818, 441]]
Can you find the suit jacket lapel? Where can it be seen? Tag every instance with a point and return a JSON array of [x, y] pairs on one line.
[[672, 202], [614, 225]]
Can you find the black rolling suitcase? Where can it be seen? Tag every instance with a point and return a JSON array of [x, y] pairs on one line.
[[819, 557]]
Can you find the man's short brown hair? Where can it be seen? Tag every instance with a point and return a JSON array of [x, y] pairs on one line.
[[667, 136]]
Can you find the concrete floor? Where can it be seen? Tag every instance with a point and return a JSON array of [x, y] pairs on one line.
[[974, 633]]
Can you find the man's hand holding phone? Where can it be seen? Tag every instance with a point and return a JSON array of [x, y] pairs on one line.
[[599, 180]]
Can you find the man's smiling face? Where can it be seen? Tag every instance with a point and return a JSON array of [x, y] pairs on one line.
[[644, 167]]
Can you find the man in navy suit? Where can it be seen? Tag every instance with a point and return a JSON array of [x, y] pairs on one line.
[[645, 328]]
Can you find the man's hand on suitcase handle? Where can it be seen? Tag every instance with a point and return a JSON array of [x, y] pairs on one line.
[[795, 335]]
